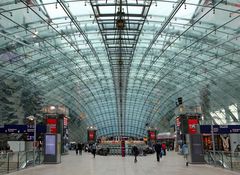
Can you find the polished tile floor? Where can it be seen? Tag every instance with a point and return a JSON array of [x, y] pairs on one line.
[[172, 164]]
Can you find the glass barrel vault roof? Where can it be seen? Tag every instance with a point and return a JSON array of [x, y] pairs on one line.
[[72, 52]]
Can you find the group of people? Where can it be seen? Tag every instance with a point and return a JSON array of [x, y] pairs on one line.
[[80, 146], [160, 150]]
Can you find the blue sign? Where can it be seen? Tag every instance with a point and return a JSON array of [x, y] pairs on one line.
[[220, 129], [22, 129], [2, 129]]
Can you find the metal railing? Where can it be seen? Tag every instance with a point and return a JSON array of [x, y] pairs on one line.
[[228, 160], [14, 161]]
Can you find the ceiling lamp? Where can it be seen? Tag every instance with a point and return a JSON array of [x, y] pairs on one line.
[[120, 24]]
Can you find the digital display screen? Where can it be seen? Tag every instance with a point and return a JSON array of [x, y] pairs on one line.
[[50, 147]]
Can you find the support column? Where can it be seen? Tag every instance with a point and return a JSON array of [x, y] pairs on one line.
[[238, 111]]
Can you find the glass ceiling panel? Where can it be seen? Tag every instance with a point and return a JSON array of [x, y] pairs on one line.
[[107, 10], [188, 9]]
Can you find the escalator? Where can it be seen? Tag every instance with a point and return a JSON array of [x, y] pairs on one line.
[[14, 161], [221, 159]]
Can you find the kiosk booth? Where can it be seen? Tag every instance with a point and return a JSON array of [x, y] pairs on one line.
[[152, 136], [91, 134], [56, 120], [188, 132]]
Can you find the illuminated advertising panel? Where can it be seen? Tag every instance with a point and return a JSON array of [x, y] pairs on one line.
[[50, 145], [192, 126], [52, 125], [152, 135], [91, 135]]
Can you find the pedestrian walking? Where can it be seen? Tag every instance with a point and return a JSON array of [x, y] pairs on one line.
[[76, 148], [80, 147], [164, 148], [135, 152], [158, 149], [94, 148]]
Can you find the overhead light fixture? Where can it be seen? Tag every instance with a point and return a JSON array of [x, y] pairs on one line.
[[35, 34], [92, 127], [31, 117], [52, 107], [120, 24]]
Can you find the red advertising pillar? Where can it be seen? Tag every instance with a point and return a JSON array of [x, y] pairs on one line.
[[91, 134], [189, 123], [152, 134], [123, 148]]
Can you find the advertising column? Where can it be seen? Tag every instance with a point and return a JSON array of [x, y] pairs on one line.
[[151, 136], [123, 147], [58, 124], [192, 126], [91, 137]]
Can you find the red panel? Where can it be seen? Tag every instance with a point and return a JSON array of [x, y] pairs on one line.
[[91, 135], [51, 121], [123, 148], [192, 126], [152, 135], [52, 124], [178, 121], [53, 129], [65, 121]]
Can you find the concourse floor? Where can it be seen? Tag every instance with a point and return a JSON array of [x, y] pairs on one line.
[[172, 164]]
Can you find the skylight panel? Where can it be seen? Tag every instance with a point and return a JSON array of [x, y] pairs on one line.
[[79, 8], [53, 9], [106, 9], [187, 11], [161, 9]]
